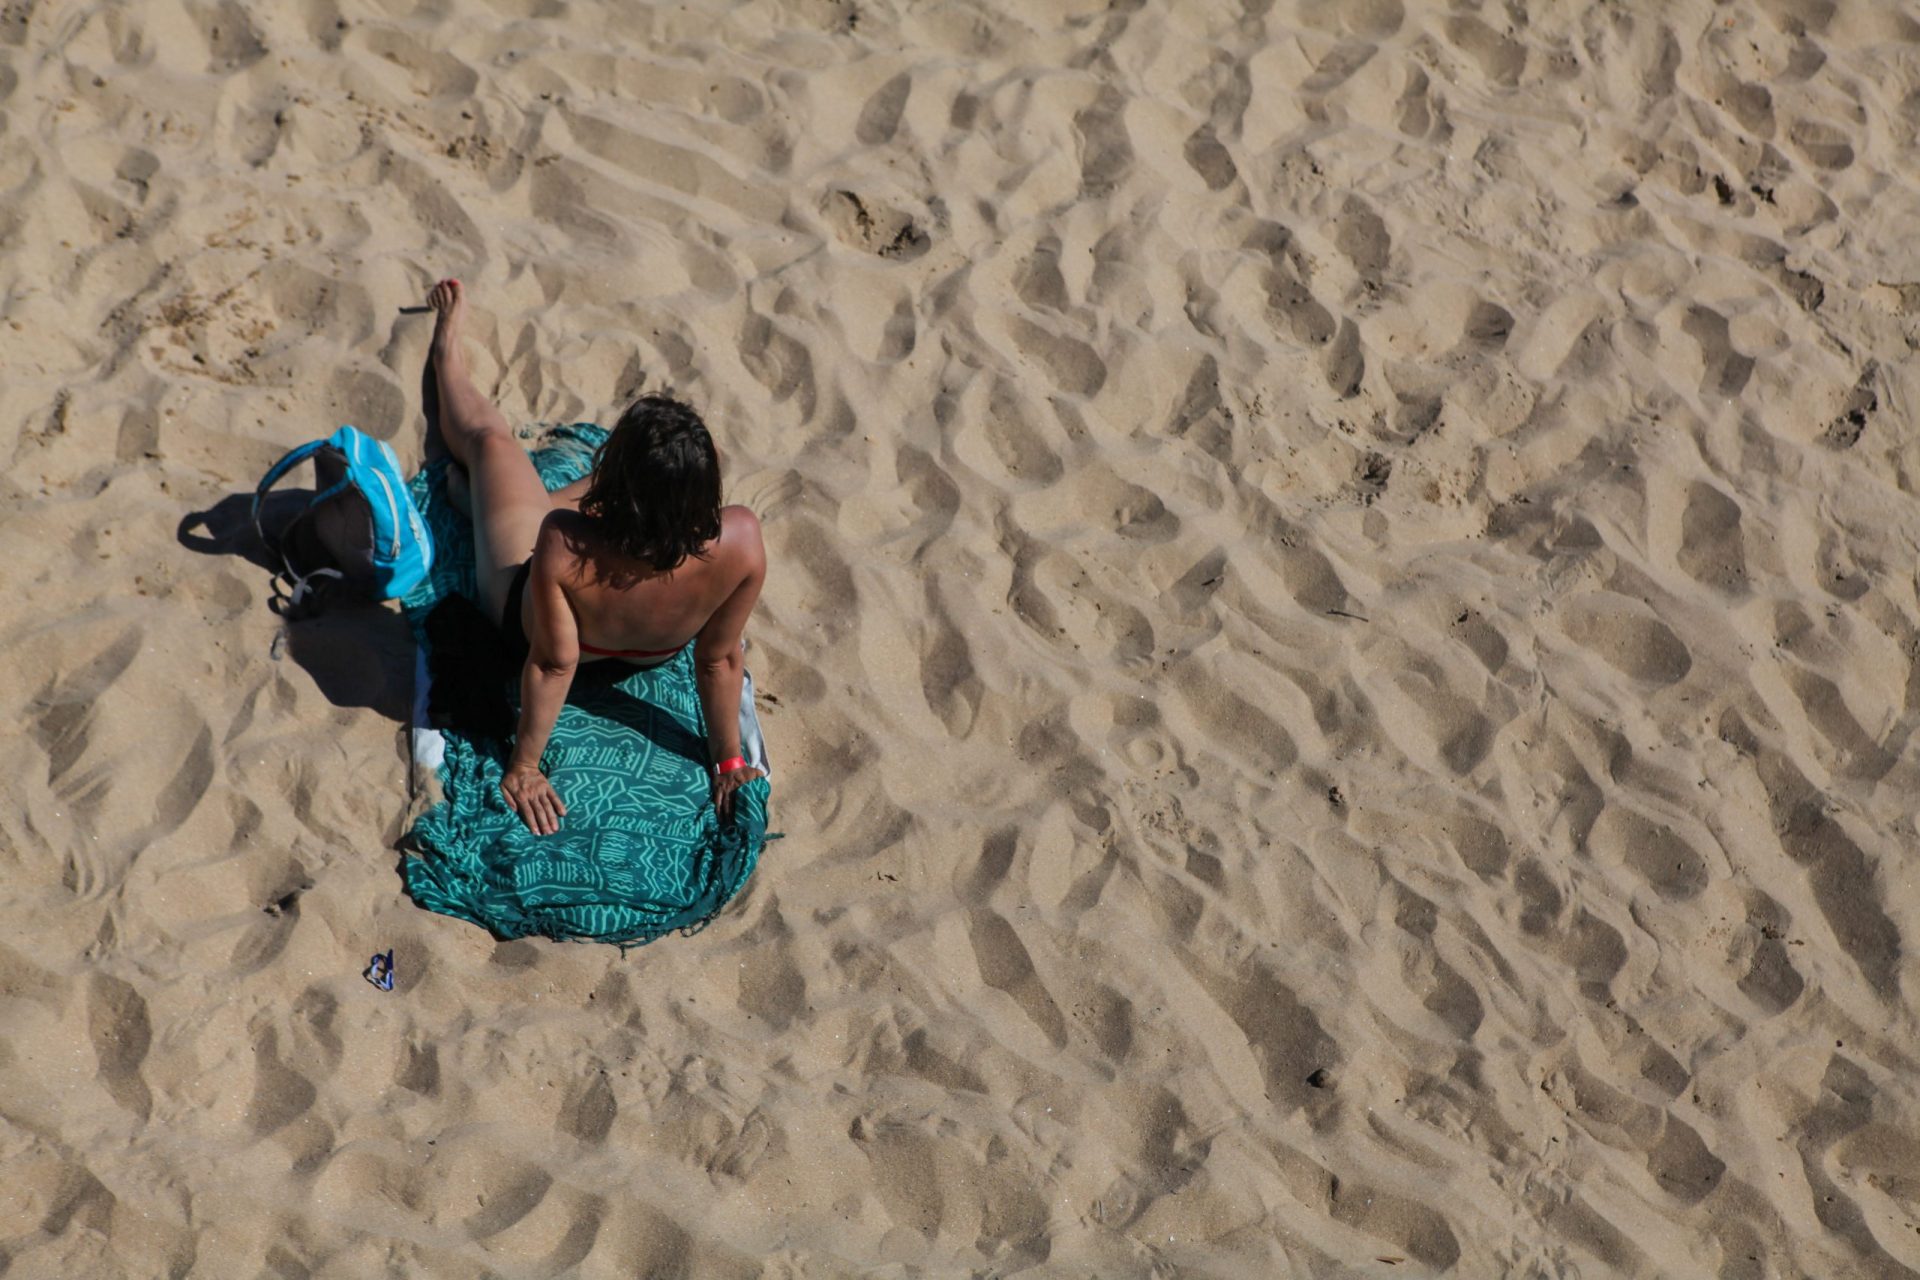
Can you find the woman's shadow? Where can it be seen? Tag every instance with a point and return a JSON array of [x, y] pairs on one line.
[[474, 673]]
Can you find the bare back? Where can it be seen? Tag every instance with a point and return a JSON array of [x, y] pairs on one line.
[[626, 606]]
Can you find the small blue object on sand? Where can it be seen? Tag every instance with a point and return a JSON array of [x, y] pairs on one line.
[[380, 971]]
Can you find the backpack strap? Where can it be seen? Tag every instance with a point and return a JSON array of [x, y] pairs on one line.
[[305, 586], [277, 472], [303, 583]]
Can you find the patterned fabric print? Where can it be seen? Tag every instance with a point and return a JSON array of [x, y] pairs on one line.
[[641, 851]]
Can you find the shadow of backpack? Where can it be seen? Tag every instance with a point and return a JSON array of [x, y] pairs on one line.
[[360, 530]]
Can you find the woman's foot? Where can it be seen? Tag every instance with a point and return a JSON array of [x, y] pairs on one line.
[[445, 357], [449, 300], [464, 415]]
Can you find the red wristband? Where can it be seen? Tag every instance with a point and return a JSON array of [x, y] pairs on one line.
[[729, 765]]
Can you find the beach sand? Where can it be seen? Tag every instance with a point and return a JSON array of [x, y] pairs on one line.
[[1342, 645]]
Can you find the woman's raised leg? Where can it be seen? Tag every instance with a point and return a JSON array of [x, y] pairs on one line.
[[505, 495]]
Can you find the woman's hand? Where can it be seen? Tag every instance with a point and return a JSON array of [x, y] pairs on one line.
[[530, 795], [725, 784]]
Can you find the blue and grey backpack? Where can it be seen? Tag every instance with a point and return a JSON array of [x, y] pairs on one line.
[[360, 527]]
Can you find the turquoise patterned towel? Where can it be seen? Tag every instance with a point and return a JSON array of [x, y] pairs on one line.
[[641, 851]]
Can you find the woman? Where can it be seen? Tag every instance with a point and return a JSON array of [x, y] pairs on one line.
[[631, 564]]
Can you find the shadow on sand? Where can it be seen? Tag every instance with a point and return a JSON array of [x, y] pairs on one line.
[[359, 652]]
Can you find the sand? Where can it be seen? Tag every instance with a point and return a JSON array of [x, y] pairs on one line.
[[1342, 645]]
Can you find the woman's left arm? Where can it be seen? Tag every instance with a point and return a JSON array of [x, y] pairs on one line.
[[718, 664], [553, 655]]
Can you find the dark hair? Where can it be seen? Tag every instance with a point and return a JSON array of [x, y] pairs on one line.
[[655, 492]]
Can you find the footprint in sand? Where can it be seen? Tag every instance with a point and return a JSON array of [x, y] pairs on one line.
[[232, 40], [281, 1094], [1210, 159], [873, 226], [1759, 953], [1500, 57], [118, 1025], [1712, 549], [778, 362], [1655, 852], [880, 117], [1627, 635], [1725, 370]]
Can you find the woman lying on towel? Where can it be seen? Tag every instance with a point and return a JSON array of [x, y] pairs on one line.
[[631, 564]]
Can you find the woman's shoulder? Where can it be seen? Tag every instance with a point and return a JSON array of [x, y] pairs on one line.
[[564, 531], [740, 531], [739, 555]]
